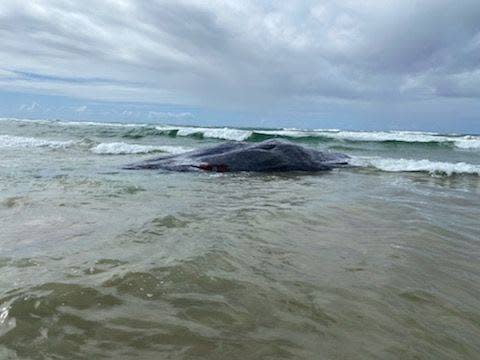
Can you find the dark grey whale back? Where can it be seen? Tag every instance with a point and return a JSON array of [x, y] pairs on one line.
[[270, 155]]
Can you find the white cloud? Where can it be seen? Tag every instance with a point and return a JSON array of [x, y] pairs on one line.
[[30, 107]]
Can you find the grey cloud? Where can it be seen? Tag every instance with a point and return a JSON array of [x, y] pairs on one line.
[[168, 115], [260, 53]]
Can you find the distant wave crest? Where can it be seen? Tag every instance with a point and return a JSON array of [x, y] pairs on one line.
[[464, 142], [10, 141], [459, 141], [212, 133], [120, 148], [408, 165]]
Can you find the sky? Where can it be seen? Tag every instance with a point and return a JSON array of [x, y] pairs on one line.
[[351, 64]]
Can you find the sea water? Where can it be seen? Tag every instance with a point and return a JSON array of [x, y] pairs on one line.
[[378, 260]]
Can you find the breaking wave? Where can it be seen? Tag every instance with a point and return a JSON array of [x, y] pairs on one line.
[[465, 142], [119, 148], [114, 148], [468, 142], [212, 133], [462, 142], [408, 165], [10, 141]]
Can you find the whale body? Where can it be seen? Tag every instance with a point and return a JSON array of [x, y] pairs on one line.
[[266, 156]]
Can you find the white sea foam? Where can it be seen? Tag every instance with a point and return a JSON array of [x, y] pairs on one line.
[[119, 148], [226, 133], [297, 133], [373, 136], [92, 123], [462, 142], [212, 133], [468, 142], [6, 323], [409, 165], [10, 141], [75, 123], [287, 133]]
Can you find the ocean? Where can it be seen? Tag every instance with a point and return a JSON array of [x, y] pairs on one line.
[[380, 260]]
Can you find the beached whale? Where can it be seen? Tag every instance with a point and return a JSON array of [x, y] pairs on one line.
[[270, 155]]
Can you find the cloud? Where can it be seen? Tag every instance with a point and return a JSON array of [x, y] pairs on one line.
[[242, 53], [30, 107], [169, 116], [7, 75]]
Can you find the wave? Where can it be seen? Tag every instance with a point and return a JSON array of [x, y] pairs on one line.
[[75, 123], [114, 148], [464, 142], [212, 133], [459, 141], [120, 148], [409, 165], [385, 136], [468, 142], [10, 141]]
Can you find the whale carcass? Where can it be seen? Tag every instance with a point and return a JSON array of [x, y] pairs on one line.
[[266, 156]]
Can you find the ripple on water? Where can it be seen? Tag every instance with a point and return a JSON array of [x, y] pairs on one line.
[[51, 318], [181, 309], [103, 265], [14, 201], [159, 226], [216, 304]]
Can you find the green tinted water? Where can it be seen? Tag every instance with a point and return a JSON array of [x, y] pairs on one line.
[[98, 262]]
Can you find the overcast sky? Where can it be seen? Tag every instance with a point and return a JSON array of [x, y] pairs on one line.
[[362, 64]]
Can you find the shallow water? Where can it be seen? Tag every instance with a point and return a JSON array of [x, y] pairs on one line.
[[99, 262]]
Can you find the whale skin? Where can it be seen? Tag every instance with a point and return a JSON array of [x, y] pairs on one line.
[[267, 156]]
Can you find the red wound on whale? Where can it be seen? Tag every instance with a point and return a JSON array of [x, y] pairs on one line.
[[218, 168], [206, 167]]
